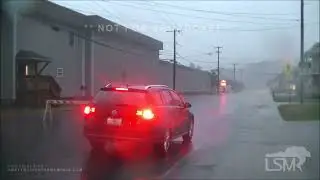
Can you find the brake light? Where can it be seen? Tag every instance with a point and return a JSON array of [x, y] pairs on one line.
[[87, 110], [122, 89], [146, 114], [223, 83]]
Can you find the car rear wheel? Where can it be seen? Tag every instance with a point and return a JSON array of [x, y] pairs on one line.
[[162, 148], [188, 137]]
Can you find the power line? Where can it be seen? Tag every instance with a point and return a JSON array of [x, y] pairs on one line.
[[172, 21], [226, 29], [192, 60], [91, 12], [236, 13], [223, 13], [198, 55], [104, 9], [208, 62], [99, 42], [191, 16], [187, 60], [265, 29]]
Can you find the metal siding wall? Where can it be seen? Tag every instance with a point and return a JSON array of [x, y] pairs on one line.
[[39, 37], [111, 65], [88, 65], [7, 60]]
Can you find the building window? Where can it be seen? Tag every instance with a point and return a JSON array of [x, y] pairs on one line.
[[59, 72], [71, 39]]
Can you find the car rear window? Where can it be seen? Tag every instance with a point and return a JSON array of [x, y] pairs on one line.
[[121, 97]]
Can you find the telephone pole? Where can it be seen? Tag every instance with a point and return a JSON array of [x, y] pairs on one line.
[[218, 70], [174, 57], [301, 49]]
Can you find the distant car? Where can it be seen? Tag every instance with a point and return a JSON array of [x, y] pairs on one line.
[[153, 114]]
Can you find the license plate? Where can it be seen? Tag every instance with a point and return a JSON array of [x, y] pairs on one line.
[[114, 121]]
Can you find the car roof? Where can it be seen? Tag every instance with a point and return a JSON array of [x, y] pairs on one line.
[[146, 87], [138, 87]]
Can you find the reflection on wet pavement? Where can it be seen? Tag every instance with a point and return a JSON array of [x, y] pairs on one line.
[[121, 164]]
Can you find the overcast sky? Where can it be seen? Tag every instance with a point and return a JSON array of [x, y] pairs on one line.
[[249, 31]]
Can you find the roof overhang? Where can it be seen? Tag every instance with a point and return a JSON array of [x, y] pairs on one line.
[[30, 56]]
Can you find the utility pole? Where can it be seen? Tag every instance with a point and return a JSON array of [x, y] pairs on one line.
[[301, 50], [234, 72], [174, 57], [218, 75]]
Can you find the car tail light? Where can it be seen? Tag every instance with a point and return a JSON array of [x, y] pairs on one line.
[[146, 114], [88, 110]]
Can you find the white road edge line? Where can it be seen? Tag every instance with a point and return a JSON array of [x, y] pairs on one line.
[[176, 164]]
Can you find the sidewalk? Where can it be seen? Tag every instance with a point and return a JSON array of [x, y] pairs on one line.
[[19, 112], [23, 131], [262, 131], [21, 128]]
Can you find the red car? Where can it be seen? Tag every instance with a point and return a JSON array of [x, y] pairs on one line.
[[154, 114]]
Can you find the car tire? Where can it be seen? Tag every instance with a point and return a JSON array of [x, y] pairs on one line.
[[188, 137], [96, 144], [162, 148]]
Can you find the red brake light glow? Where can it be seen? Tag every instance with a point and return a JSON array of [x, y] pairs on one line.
[[87, 110], [223, 83], [121, 89], [146, 114]]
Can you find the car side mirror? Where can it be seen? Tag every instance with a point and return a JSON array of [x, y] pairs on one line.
[[187, 105]]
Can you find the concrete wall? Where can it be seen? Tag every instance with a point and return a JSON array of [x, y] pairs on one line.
[[187, 79], [38, 36]]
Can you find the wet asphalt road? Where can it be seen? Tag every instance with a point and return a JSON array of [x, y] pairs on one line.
[[233, 132]]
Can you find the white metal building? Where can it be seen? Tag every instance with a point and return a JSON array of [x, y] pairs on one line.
[[83, 53]]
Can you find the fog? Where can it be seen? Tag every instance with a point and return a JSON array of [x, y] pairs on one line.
[[248, 31]]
